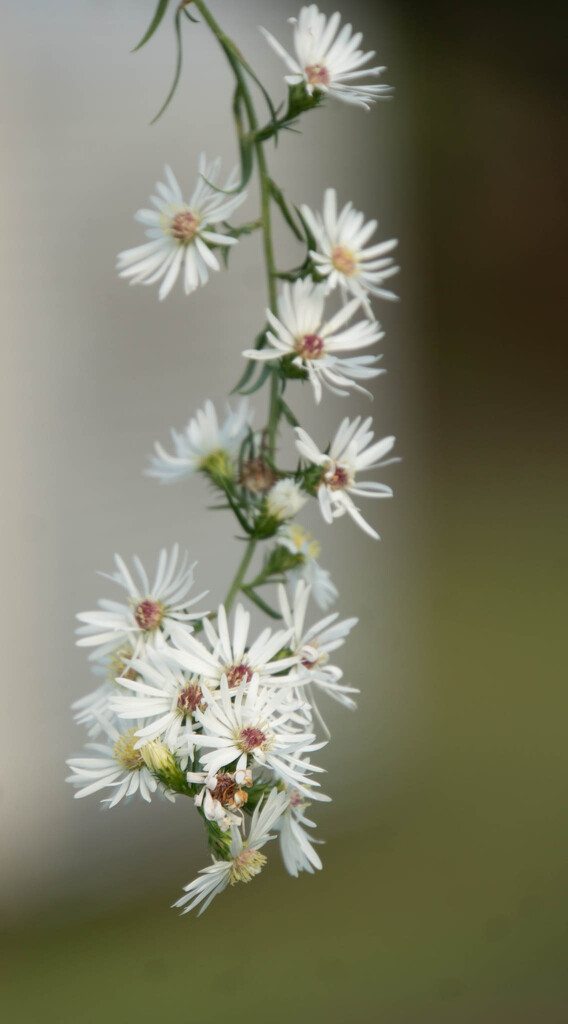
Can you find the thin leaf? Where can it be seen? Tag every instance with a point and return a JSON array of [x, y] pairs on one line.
[[288, 414], [179, 63], [264, 607], [264, 374], [190, 16], [154, 24], [278, 196], [251, 365]]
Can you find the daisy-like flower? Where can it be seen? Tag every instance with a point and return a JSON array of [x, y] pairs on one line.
[[296, 846], [314, 646], [117, 764], [341, 257], [165, 699], [258, 724], [180, 233], [327, 61], [246, 860], [222, 795], [299, 542], [351, 451], [205, 445], [231, 658], [149, 612], [300, 331]]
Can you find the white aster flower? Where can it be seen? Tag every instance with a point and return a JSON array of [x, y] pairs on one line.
[[231, 658], [180, 233], [341, 257], [351, 451], [246, 860], [117, 764], [205, 445], [285, 500], [313, 646], [298, 541], [302, 332], [149, 612], [222, 795], [326, 61], [296, 846], [259, 724], [164, 699]]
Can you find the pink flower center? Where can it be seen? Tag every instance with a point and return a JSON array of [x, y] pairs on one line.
[[251, 739], [310, 346], [189, 699], [237, 674], [336, 477], [184, 226], [344, 260], [148, 614], [317, 74]]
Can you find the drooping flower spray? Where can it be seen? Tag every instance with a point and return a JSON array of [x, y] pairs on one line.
[[192, 702]]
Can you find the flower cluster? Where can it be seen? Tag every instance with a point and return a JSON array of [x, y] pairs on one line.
[[201, 703]]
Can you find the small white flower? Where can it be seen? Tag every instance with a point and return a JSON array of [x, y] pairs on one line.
[[222, 795], [260, 724], [314, 645], [150, 611], [298, 541], [351, 451], [165, 700], [205, 445], [341, 256], [296, 847], [327, 61], [118, 764], [179, 232], [231, 658], [285, 500], [302, 332], [246, 860]]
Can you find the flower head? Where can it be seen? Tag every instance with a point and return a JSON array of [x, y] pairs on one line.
[[246, 860], [341, 256], [231, 657], [314, 646], [206, 445], [351, 450], [302, 333], [327, 61], [117, 764], [180, 233], [149, 612], [300, 543]]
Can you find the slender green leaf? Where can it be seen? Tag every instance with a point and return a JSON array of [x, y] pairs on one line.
[[278, 196], [177, 75], [154, 24], [288, 414], [190, 16], [263, 376], [264, 607], [251, 365]]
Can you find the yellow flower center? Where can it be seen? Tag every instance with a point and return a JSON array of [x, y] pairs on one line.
[[125, 754], [344, 260], [248, 864]]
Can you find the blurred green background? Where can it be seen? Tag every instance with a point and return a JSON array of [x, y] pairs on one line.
[[444, 896]]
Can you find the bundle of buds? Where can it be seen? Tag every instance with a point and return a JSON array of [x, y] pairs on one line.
[[192, 703]]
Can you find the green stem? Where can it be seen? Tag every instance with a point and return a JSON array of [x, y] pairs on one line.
[[241, 573], [231, 53]]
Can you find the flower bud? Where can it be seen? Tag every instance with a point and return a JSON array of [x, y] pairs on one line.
[[284, 500]]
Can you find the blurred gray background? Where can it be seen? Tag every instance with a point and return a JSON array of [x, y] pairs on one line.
[[445, 865]]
